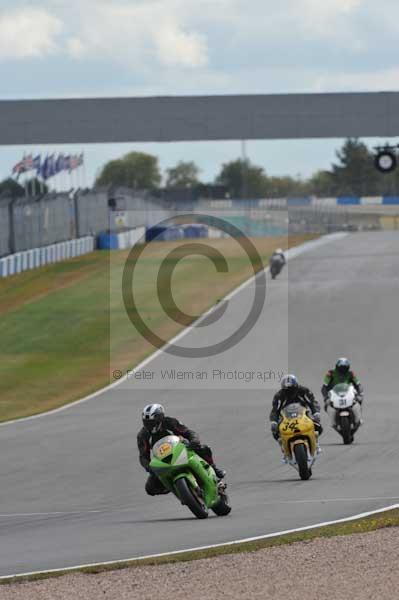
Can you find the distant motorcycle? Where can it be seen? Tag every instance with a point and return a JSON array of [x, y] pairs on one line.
[[344, 410], [189, 477], [276, 264], [298, 439]]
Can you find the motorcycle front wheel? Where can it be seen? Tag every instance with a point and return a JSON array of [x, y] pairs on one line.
[[346, 432], [222, 508], [190, 500], [301, 457]]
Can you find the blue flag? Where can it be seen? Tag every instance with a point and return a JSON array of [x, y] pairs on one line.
[[51, 166], [37, 164], [67, 163], [59, 164], [43, 168]]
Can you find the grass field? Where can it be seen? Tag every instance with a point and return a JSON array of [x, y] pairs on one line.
[[63, 328]]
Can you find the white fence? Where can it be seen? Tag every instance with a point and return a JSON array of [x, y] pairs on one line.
[[127, 239], [38, 257]]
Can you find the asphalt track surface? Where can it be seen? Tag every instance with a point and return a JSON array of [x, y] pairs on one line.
[[72, 491]]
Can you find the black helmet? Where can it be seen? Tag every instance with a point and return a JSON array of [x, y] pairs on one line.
[[343, 366], [290, 384], [153, 416]]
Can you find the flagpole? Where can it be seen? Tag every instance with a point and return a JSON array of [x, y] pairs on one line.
[[84, 170]]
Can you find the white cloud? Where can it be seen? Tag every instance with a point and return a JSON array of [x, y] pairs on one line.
[[202, 46], [27, 33], [139, 34], [75, 47], [177, 47], [330, 19], [372, 81]]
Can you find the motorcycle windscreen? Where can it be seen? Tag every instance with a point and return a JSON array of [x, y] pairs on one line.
[[293, 411], [341, 388], [164, 446]]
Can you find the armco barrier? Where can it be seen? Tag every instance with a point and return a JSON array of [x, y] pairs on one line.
[[38, 257]]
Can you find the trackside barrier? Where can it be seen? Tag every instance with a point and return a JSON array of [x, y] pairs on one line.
[[38, 257], [284, 203], [127, 239], [162, 233], [121, 240]]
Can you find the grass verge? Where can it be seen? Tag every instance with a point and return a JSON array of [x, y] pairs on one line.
[[64, 329], [363, 525]]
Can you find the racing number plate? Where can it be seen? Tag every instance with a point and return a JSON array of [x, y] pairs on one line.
[[293, 426], [164, 450]]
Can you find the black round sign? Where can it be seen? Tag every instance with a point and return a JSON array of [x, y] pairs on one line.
[[385, 161]]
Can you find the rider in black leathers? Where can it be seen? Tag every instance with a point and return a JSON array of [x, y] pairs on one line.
[[157, 425], [289, 393]]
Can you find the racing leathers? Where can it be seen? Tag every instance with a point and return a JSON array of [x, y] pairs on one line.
[[170, 426], [334, 377], [299, 394], [280, 256]]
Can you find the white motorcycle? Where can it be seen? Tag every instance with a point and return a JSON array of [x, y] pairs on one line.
[[344, 410]]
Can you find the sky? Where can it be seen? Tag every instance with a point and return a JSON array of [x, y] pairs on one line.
[[88, 48]]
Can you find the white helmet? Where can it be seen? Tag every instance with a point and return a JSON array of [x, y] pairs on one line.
[[153, 416], [279, 251]]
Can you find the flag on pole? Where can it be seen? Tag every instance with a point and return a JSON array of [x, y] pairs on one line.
[[19, 168], [28, 162], [73, 162], [51, 166], [37, 164], [43, 168], [67, 162], [59, 164]]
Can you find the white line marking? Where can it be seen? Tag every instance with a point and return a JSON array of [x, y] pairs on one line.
[[55, 513], [234, 543], [121, 509], [290, 254]]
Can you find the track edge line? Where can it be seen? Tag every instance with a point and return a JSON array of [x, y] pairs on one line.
[[290, 253], [135, 561]]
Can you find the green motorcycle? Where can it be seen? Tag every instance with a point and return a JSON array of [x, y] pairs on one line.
[[189, 477]]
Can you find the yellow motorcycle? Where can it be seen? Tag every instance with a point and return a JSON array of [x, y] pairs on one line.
[[299, 440]]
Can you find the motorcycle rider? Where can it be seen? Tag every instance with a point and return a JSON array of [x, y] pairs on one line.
[[289, 393], [342, 373], [277, 262], [279, 253], [157, 425]]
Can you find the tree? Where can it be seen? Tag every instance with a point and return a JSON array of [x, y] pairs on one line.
[[184, 174], [355, 174], [11, 188], [321, 184], [136, 170], [286, 186], [243, 179]]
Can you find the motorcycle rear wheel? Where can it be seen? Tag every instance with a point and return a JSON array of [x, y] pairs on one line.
[[301, 457], [190, 500]]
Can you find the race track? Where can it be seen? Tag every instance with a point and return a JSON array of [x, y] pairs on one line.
[[72, 491]]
